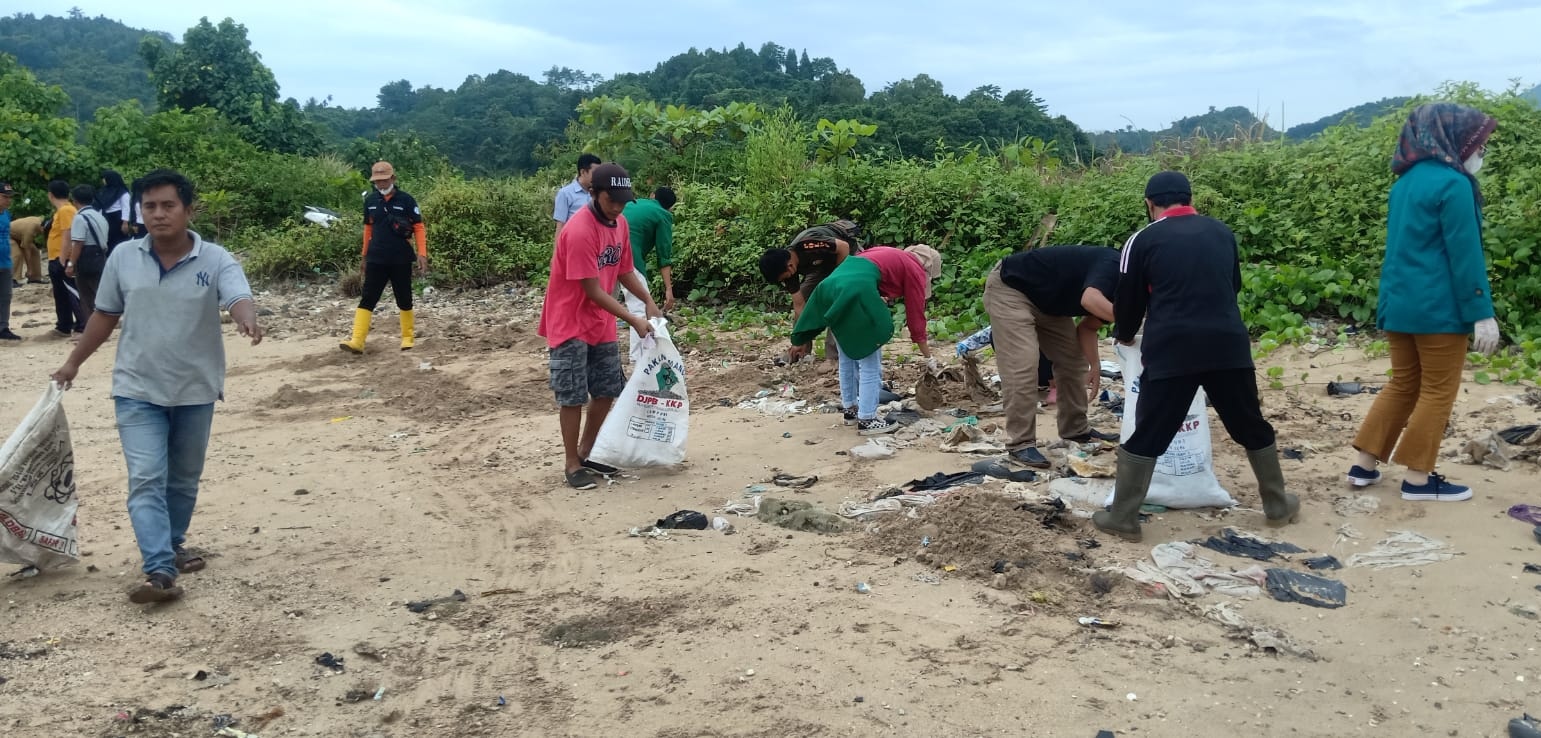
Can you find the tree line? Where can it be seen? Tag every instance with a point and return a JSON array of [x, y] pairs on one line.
[[510, 123]]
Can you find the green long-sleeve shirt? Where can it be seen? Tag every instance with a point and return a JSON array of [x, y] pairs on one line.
[[1434, 278], [848, 304], [652, 229]]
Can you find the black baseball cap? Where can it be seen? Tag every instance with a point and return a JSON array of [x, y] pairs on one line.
[[5, 189], [1168, 183], [612, 178]]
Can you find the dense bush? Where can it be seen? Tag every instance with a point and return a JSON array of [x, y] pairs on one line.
[[1310, 218], [298, 249], [488, 231], [240, 185]]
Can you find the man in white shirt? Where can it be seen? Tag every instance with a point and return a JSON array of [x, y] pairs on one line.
[[86, 255]]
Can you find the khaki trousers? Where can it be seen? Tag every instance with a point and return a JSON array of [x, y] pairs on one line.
[[26, 258], [1414, 408], [1021, 330]]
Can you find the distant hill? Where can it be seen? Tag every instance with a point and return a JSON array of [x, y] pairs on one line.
[[1216, 125], [95, 60], [1360, 115], [1534, 94]]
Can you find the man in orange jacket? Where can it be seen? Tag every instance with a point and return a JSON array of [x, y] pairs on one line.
[[392, 222]]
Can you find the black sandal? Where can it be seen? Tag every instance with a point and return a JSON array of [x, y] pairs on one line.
[[188, 563], [604, 470], [158, 587], [581, 479]]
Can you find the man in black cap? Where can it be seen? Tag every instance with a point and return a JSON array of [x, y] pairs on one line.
[[593, 254], [1180, 276], [803, 264]]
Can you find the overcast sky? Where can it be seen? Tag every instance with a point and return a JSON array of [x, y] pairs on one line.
[[1102, 63]]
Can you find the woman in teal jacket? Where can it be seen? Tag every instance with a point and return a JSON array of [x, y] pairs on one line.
[[1433, 294]]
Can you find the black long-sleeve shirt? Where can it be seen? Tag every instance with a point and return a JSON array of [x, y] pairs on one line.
[[1179, 276]]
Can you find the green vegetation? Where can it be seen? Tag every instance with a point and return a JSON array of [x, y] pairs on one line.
[[801, 145], [95, 60]]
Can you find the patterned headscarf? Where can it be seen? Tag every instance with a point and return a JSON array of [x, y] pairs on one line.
[[1443, 132]]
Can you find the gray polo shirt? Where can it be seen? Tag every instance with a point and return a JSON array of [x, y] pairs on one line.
[[94, 234], [171, 353]]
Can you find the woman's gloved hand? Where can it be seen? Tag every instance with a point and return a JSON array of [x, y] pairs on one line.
[[1486, 339]]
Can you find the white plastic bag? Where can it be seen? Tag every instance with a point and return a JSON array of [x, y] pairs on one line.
[[37, 489], [648, 425], [1185, 474]]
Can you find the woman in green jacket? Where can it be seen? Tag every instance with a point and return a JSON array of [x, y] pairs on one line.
[[847, 302], [1433, 294]]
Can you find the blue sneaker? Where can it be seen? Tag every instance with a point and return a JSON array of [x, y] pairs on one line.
[[1362, 477], [1437, 490]]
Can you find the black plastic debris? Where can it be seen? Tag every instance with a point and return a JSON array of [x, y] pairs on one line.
[[684, 520], [904, 417], [1519, 435], [1285, 585], [1294, 454], [1344, 389], [942, 481], [886, 396], [1324, 562], [1051, 512], [1532, 569], [1231, 543], [423, 605], [1113, 402], [994, 468], [1105, 734], [1525, 727], [794, 481], [331, 662]]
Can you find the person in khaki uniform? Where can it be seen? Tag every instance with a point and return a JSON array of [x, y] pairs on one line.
[[24, 250], [1033, 298]]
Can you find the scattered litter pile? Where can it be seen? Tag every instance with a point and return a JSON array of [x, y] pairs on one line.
[[1500, 449], [1030, 545]]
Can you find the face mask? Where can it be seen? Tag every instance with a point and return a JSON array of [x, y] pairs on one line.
[[1474, 164]]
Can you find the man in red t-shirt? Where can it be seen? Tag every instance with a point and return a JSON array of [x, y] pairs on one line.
[[592, 253]]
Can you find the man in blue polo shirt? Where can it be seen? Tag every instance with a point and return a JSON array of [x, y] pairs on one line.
[[169, 370], [573, 197]]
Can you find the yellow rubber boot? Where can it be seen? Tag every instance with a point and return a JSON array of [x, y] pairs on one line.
[[407, 323], [361, 318]]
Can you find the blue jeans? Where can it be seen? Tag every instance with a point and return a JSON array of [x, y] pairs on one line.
[[164, 448], [860, 382]]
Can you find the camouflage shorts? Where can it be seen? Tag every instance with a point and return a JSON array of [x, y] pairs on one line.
[[580, 371]]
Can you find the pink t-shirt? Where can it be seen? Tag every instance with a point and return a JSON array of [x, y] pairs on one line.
[[900, 274], [585, 249]]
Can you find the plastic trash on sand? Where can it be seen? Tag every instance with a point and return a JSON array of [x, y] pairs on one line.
[[1404, 548], [1183, 572], [872, 450], [1286, 585]]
